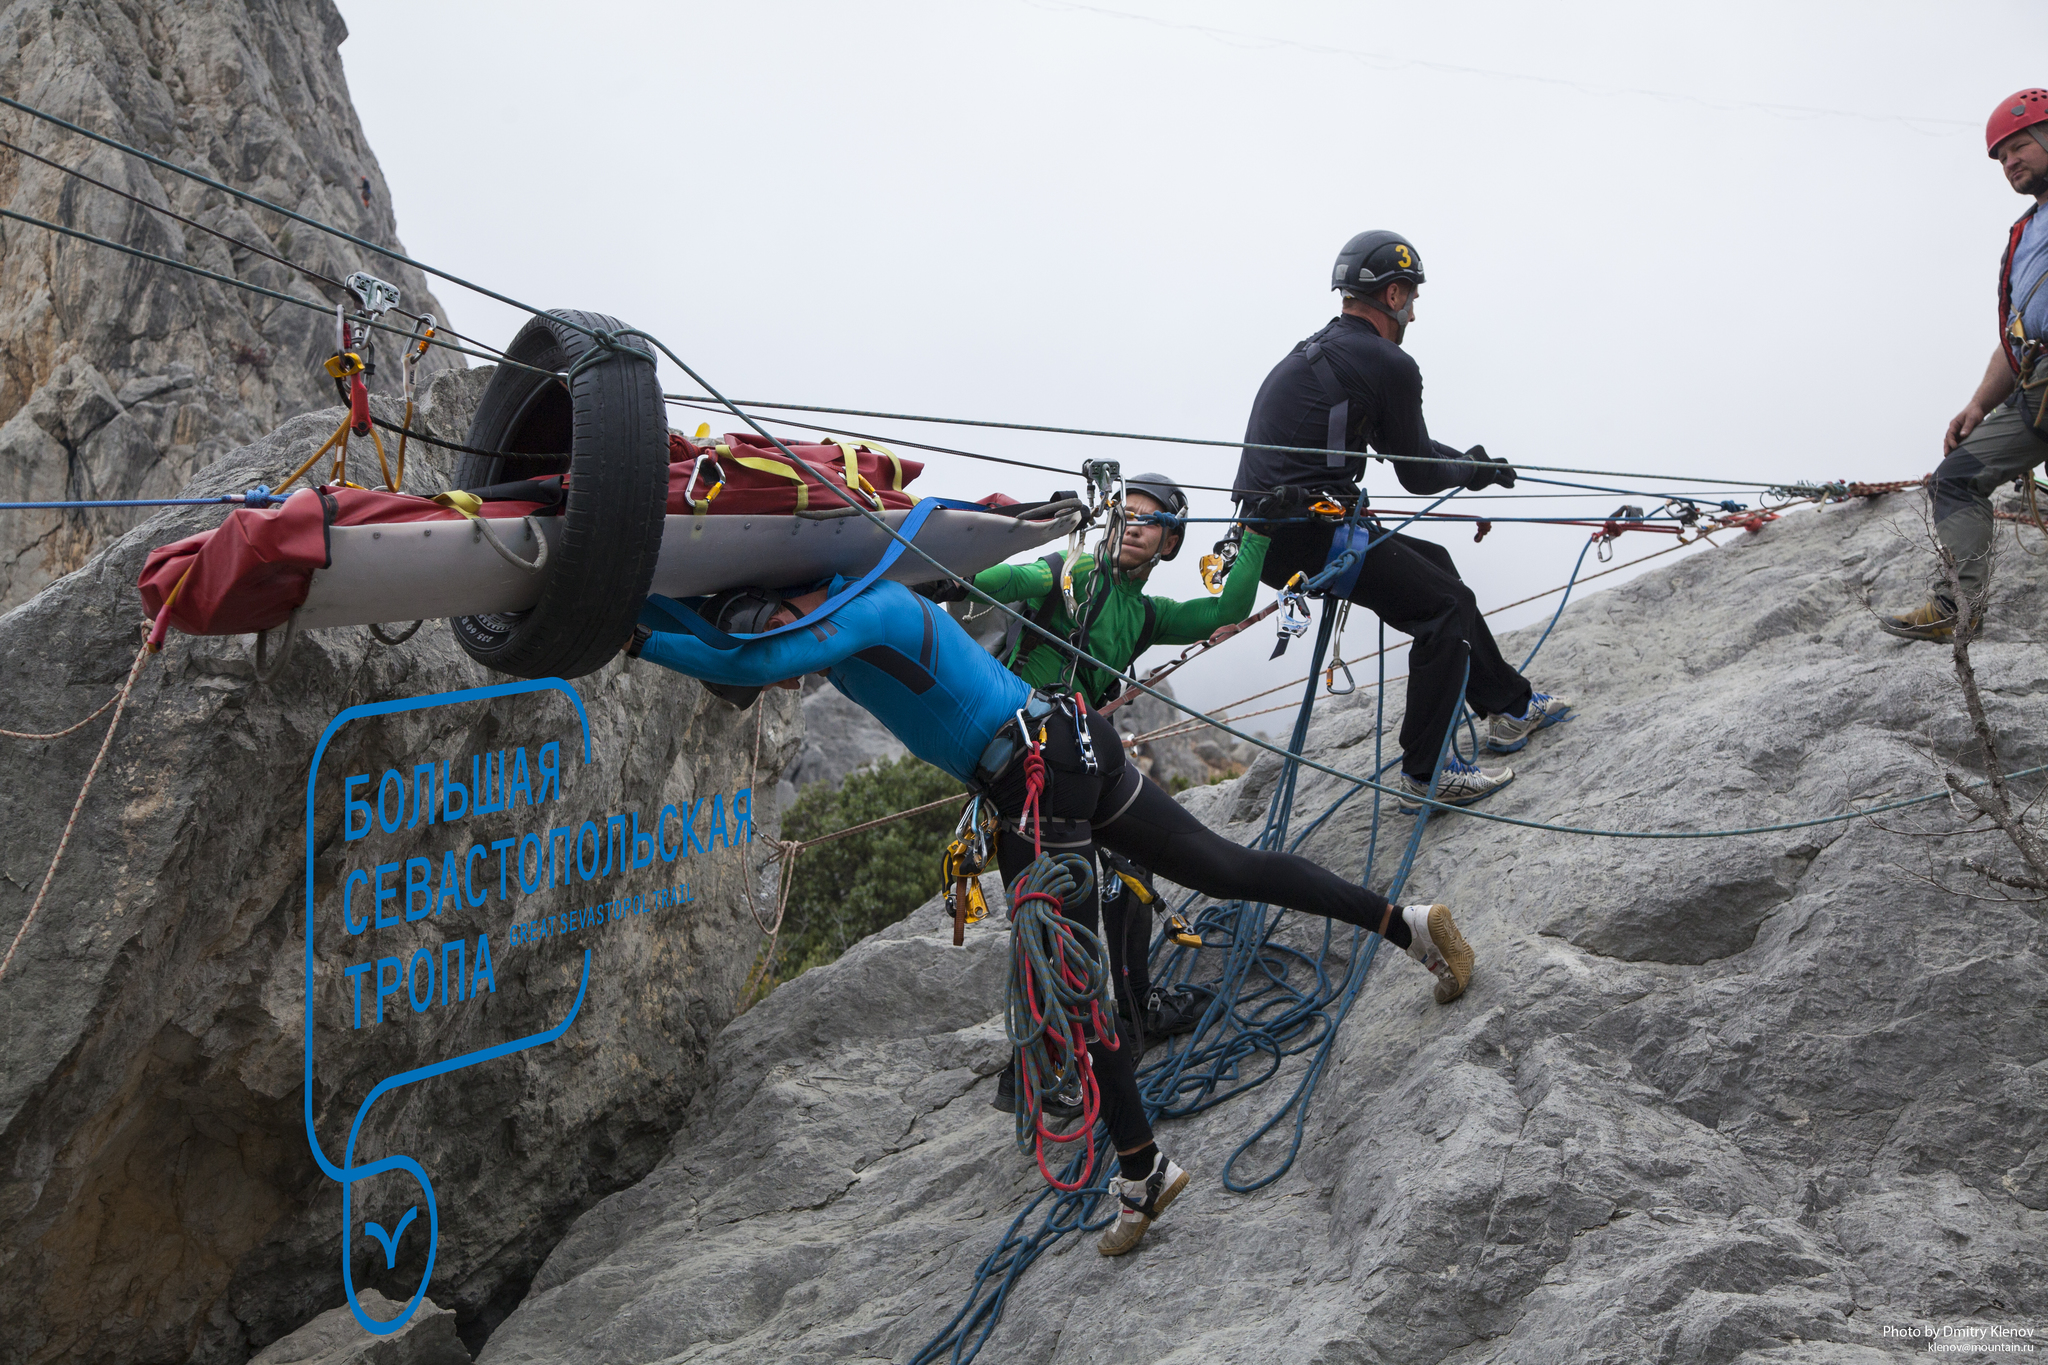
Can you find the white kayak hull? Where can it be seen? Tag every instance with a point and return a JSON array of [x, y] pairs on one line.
[[409, 571]]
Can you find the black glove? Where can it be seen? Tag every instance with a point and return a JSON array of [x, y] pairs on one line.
[[944, 590], [1487, 470], [1284, 503], [641, 635]]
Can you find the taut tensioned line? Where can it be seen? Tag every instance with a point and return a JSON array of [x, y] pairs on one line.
[[1256, 1012]]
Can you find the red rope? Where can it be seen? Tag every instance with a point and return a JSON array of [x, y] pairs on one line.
[[1075, 1044]]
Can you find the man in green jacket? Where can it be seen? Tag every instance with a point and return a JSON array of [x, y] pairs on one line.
[[1123, 622]]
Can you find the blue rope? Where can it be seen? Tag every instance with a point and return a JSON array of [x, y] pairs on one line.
[[1257, 1017], [259, 496], [1569, 584]]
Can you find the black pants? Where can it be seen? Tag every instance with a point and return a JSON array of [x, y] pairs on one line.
[[1414, 587], [1127, 813], [1127, 930]]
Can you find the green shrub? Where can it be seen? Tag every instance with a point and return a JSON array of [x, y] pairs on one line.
[[845, 890]]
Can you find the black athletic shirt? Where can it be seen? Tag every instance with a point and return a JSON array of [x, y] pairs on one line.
[[1385, 389]]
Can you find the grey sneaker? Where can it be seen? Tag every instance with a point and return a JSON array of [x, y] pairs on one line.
[[1139, 1202], [1460, 784], [1510, 734], [1436, 943]]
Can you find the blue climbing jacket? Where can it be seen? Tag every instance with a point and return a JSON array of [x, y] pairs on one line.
[[894, 653]]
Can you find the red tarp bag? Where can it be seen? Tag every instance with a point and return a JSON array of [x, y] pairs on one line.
[[760, 480], [253, 571]]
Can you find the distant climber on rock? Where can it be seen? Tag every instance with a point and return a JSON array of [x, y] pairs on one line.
[[1122, 622], [365, 188], [2001, 433], [955, 706], [1348, 387]]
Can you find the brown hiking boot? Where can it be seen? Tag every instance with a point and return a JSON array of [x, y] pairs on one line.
[[1933, 621]]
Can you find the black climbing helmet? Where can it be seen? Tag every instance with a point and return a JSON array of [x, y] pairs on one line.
[[1372, 260], [1167, 494], [743, 611]]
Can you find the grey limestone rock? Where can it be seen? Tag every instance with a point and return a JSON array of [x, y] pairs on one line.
[[158, 1200], [839, 738], [1770, 1099], [119, 377], [336, 1338]]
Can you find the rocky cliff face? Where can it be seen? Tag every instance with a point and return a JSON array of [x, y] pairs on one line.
[[1752, 1100], [120, 378], [157, 1198]]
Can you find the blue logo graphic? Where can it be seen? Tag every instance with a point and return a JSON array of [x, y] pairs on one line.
[[389, 1240], [347, 1173]]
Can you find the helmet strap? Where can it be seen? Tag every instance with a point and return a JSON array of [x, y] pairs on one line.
[[1402, 316]]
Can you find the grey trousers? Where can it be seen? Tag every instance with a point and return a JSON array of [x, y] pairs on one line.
[[2000, 450]]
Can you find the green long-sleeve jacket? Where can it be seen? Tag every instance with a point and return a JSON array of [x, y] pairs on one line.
[[1118, 634]]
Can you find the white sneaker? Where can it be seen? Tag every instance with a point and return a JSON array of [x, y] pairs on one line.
[[1436, 943], [1459, 784], [1139, 1202], [1510, 734]]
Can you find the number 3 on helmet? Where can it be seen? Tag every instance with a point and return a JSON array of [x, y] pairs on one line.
[[1372, 260]]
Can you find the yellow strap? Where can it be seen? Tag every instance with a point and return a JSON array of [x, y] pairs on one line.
[[1138, 887], [895, 465], [854, 482], [803, 492], [469, 504]]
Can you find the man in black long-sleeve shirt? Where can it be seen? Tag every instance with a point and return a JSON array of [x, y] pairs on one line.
[[1348, 387]]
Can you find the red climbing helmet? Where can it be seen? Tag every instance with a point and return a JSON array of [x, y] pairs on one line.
[[2022, 110]]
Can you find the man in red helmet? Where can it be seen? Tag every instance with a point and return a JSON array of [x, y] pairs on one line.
[[2001, 433]]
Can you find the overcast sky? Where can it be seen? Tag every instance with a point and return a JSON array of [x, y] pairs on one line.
[[1752, 241]]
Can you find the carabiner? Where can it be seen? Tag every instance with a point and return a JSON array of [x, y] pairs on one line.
[[422, 337]]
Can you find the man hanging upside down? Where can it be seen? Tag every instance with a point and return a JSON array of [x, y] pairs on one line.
[[955, 706]]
